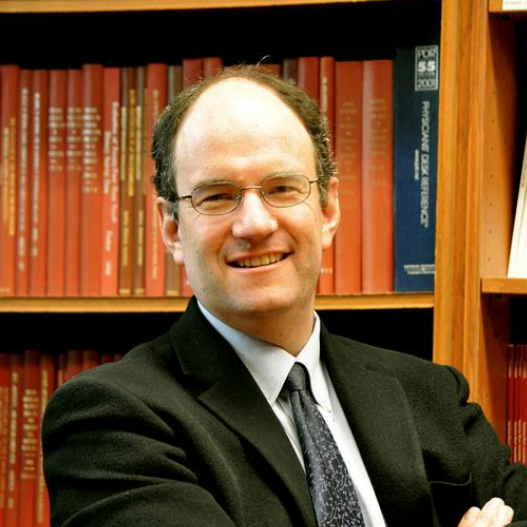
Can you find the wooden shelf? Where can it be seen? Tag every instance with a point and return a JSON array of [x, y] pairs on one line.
[[94, 6], [504, 286], [178, 304]]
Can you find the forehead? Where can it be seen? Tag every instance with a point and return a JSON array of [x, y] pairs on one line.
[[239, 122]]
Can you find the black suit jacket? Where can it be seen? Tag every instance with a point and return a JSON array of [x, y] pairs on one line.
[[178, 434]]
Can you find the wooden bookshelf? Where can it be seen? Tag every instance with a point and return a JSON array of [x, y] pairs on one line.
[[179, 304], [504, 286], [95, 6]]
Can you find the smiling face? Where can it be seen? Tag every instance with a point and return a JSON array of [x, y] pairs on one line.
[[257, 261]]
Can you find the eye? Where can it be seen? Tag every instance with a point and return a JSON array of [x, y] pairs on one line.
[[211, 195]]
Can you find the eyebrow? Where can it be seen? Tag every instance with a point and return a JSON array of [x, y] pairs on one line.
[[220, 181]]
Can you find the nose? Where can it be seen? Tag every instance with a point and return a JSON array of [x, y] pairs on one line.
[[253, 219]]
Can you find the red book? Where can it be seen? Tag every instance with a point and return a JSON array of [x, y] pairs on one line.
[[74, 125], [90, 359], [290, 69], [174, 272], [48, 376], [111, 183], [57, 184], [510, 395], [138, 247], [39, 185], [62, 364], [9, 95], [30, 439], [14, 448], [23, 197], [156, 100], [73, 364], [348, 153], [326, 281], [309, 76], [91, 200], [5, 384], [211, 66], [127, 180], [192, 71], [377, 177]]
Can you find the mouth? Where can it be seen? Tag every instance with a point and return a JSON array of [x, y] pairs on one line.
[[258, 261]]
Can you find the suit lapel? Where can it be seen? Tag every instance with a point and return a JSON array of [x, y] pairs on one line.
[[234, 397], [382, 423]]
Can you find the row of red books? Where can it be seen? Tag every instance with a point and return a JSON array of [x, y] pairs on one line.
[[27, 381], [517, 403], [77, 209]]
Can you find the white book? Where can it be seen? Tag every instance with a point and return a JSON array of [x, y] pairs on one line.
[[518, 254]]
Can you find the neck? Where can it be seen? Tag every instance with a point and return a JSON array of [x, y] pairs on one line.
[[289, 330]]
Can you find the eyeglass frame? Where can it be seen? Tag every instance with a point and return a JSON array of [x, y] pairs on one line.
[[239, 195]]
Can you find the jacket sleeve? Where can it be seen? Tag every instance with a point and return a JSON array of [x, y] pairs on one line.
[[492, 473], [110, 460]]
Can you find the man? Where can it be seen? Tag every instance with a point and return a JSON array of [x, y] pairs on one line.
[[196, 427]]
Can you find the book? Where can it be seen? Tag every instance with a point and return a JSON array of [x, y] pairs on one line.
[[127, 179], [416, 117], [29, 438], [111, 182], [348, 153], [92, 165], [39, 184], [326, 281], [138, 247], [155, 262], [74, 123], [173, 272], [9, 90], [56, 240], [377, 176], [5, 384], [518, 253], [23, 184]]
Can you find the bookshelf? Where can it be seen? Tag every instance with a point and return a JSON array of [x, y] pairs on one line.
[[479, 140]]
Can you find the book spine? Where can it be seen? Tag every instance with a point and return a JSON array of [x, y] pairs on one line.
[[56, 241], [290, 69], [192, 71], [138, 248], [416, 116], [90, 359], [14, 447], [127, 179], [309, 76], [211, 66], [30, 438], [23, 217], [73, 364], [155, 264], [74, 122], [326, 281], [173, 271], [39, 185], [48, 376], [91, 206], [111, 190], [348, 153], [5, 384], [9, 96], [377, 177]]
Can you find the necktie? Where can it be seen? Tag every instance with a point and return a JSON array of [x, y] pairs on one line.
[[332, 493]]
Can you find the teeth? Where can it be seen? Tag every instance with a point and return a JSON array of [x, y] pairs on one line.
[[259, 261]]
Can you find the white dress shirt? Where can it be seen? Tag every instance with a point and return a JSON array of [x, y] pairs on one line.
[[269, 365]]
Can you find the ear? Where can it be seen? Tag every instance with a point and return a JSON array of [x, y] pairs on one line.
[[169, 229], [331, 214]]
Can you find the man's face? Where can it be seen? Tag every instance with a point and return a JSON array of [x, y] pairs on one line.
[[257, 259]]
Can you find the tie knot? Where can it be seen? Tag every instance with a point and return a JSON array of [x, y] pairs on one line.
[[296, 380]]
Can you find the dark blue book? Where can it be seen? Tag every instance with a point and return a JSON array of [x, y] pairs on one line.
[[416, 97]]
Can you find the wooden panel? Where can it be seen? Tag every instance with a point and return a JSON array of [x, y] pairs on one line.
[[178, 304], [504, 286], [86, 6]]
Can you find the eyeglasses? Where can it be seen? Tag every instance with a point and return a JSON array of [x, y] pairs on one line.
[[223, 197]]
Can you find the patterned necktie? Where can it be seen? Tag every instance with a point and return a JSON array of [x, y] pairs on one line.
[[334, 498]]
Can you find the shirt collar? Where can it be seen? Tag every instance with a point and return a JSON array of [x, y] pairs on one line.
[[269, 365]]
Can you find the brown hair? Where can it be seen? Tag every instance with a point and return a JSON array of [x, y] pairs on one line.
[[171, 119]]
